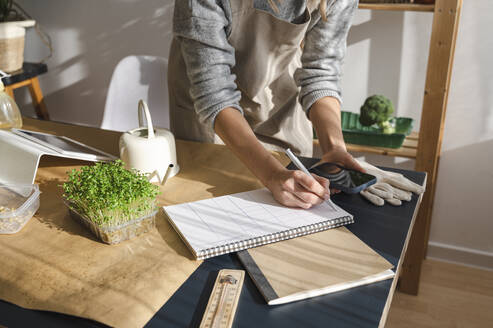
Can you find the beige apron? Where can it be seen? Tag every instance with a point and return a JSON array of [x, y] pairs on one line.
[[267, 52]]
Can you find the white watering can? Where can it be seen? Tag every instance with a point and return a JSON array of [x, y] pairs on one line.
[[151, 151]]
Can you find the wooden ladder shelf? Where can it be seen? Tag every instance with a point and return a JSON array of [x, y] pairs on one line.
[[425, 146]]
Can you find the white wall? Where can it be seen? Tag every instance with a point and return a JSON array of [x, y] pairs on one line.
[[387, 54], [89, 38], [462, 222], [462, 227]]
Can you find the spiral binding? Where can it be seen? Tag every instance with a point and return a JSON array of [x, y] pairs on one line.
[[274, 237]]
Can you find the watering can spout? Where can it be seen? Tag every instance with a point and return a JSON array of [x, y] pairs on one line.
[[156, 174]]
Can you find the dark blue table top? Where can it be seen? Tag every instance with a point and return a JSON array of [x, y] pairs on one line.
[[383, 228]]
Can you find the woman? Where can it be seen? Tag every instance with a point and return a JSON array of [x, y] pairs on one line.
[[254, 73]]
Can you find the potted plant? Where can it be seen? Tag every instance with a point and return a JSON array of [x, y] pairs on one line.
[[115, 203], [13, 21]]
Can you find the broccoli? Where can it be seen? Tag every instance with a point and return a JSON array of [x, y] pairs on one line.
[[377, 109]]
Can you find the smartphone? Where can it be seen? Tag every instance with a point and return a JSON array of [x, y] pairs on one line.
[[346, 180]]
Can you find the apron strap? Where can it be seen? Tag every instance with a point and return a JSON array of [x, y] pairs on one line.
[[240, 5], [312, 5], [243, 5]]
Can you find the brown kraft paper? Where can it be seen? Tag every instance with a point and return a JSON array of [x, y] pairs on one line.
[[55, 264]]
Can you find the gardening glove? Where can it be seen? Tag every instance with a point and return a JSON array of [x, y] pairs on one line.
[[390, 187]]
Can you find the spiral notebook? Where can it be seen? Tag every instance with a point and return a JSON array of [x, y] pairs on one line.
[[231, 223]]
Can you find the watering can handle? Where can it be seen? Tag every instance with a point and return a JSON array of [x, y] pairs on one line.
[[143, 108]]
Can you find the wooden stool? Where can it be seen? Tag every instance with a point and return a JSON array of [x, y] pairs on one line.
[[28, 76]]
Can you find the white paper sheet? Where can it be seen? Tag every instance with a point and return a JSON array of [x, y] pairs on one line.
[[240, 217]]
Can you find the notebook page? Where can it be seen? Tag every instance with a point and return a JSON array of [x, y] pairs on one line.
[[238, 217]]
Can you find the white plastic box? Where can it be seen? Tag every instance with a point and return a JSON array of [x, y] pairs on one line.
[[18, 203]]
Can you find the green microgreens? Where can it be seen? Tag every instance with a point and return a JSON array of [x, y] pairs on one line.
[[108, 194]]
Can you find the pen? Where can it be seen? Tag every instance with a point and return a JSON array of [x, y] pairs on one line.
[[302, 167], [296, 161]]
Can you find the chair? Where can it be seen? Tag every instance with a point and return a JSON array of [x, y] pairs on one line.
[[135, 78]]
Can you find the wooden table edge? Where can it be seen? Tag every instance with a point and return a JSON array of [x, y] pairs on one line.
[[383, 318]]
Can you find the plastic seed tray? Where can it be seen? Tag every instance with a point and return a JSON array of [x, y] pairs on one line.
[[116, 234], [355, 133], [18, 203]]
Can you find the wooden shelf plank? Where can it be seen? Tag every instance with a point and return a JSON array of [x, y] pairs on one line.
[[411, 140], [397, 6], [401, 152], [414, 135], [410, 143], [408, 149]]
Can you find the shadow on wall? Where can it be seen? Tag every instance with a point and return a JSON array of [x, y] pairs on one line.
[[156, 95], [136, 78], [485, 80], [469, 114], [385, 32], [465, 197], [89, 39]]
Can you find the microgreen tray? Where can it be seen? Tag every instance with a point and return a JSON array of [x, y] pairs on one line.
[[116, 234], [354, 133]]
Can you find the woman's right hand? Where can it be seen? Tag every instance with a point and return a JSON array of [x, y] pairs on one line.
[[290, 188], [294, 188]]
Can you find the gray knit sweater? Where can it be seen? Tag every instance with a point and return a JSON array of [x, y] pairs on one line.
[[202, 28]]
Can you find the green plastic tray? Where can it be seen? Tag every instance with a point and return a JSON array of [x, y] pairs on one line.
[[355, 133]]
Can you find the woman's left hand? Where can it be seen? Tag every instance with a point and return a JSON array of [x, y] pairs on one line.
[[341, 157]]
